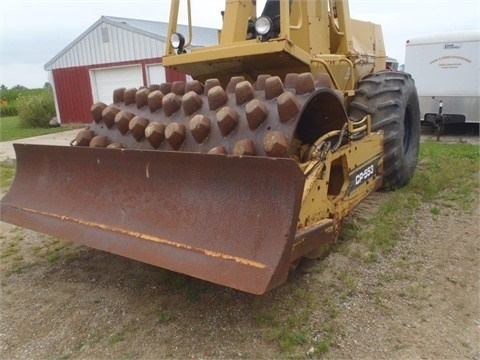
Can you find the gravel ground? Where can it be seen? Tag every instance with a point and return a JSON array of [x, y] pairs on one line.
[[421, 301]]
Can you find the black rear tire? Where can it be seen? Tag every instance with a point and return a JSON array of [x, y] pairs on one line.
[[391, 99]]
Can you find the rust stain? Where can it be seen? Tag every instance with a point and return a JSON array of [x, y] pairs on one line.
[[148, 237]]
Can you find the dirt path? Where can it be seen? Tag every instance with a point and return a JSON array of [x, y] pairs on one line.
[[61, 301], [422, 301]]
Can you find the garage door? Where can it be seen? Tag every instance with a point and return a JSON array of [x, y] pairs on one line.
[[156, 74], [105, 81]]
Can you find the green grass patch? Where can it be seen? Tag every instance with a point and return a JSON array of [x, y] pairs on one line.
[[447, 175], [291, 338], [116, 338], [55, 249], [285, 317], [53, 257], [20, 269], [10, 129], [164, 316], [325, 341], [71, 255], [387, 225], [9, 249], [348, 280], [7, 172]]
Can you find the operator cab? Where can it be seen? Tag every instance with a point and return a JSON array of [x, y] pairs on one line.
[[267, 25]]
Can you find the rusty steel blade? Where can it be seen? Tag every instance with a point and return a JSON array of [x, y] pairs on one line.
[[228, 220]]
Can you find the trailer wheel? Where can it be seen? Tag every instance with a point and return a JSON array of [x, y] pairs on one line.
[[391, 99]]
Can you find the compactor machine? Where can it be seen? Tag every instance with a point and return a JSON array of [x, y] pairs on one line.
[[288, 123]]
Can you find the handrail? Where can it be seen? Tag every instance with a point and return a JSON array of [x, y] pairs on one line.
[[189, 14], [325, 65], [300, 21], [334, 26], [350, 78], [172, 25], [285, 18]]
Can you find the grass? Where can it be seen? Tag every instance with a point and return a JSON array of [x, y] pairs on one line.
[[286, 321], [11, 130], [447, 175], [9, 249], [164, 316], [116, 338], [17, 257], [7, 172], [348, 280]]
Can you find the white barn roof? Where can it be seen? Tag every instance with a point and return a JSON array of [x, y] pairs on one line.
[[114, 39]]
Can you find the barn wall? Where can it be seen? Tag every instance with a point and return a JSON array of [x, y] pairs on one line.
[[173, 75], [74, 90], [74, 95]]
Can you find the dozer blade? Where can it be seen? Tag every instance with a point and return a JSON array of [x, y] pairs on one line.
[[228, 220]]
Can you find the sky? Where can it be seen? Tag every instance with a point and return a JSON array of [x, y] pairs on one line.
[[33, 31]]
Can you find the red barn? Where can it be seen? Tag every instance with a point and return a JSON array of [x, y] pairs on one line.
[[114, 52]]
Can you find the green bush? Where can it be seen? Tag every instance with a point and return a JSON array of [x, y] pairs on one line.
[[8, 97], [11, 95], [35, 110], [7, 109]]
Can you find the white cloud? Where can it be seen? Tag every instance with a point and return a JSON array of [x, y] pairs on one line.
[[34, 31]]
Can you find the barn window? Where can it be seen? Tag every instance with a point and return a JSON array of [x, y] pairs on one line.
[[105, 36]]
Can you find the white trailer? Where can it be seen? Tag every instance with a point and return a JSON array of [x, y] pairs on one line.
[[446, 68]]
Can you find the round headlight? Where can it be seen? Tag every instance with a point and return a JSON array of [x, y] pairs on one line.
[[177, 40], [263, 25]]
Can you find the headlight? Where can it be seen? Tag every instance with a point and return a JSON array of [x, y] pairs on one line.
[[263, 25], [177, 40]]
